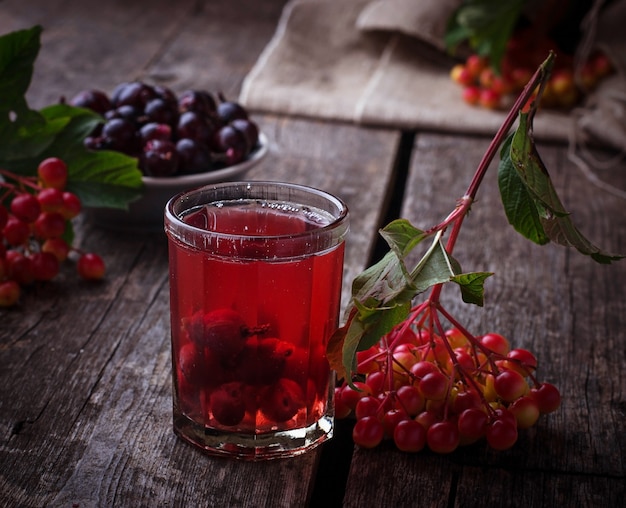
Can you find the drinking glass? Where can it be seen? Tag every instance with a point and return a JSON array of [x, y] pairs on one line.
[[255, 290]]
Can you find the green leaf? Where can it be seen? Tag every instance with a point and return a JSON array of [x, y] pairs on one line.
[[435, 267], [402, 236], [472, 286], [531, 169], [383, 282], [554, 219], [18, 51], [362, 334], [519, 206], [486, 25]]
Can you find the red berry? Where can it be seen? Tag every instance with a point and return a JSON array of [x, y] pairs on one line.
[[223, 331], [475, 64], [20, 268], [58, 247], [45, 266], [367, 406], [409, 436], [473, 423], [191, 363], [434, 386], [410, 400], [341, 408], [90, 267], [71, 205], [16, 231], [52, 172], [25, 207], [368, 432], [547, 396], [283, 400], [376, 381], [496, 343], [510, 385], [489, 98], [391, 419], [49, 225], [9, 293], [227, 404], [50, 199], [522, 361], [471, 94], [501, 434], [443, 437], [351, 395], [461, 75], [526, 412]]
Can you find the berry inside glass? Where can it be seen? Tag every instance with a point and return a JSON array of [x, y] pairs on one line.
[[255, 288]]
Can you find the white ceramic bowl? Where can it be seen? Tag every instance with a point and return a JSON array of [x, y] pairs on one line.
[[147, 212]]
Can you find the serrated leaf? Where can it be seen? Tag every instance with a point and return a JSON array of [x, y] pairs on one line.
[[436, 267], [18, 51], [358, 335], [554, 219], [384, 281], [561, 230], [528, 164], [519, 206], [402, 236], [472, 286]]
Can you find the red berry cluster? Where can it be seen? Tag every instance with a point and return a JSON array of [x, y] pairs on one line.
[[419, 388], [34, 212], [485, 87], [235, 376]]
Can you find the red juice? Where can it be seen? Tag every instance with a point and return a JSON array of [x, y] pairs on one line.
[[251, 314]]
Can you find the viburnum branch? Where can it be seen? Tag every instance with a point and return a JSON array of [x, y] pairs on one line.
[[457, 217]]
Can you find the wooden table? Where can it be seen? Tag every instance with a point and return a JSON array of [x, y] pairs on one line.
[[85, 387]]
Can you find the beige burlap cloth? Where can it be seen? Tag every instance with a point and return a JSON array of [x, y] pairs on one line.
[[332, 59], [374, 63]]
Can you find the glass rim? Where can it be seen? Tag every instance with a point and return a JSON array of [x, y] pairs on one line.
[[172, 219]]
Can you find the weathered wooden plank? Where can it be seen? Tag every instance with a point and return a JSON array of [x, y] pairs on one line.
[[406, 481], [559, 304]]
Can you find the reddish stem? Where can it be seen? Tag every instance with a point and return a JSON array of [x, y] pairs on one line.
[[465, 203]]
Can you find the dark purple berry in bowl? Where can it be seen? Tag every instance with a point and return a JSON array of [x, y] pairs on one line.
[[135, 93], [155, 130], [197, 100], [120, 134], [159, 158], [228, 111], [161, 111], [95, 100], [249, 129], [194, 157], [231, 143], [194, 125]]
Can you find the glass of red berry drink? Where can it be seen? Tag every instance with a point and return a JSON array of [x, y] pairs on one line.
[[255, 291]]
